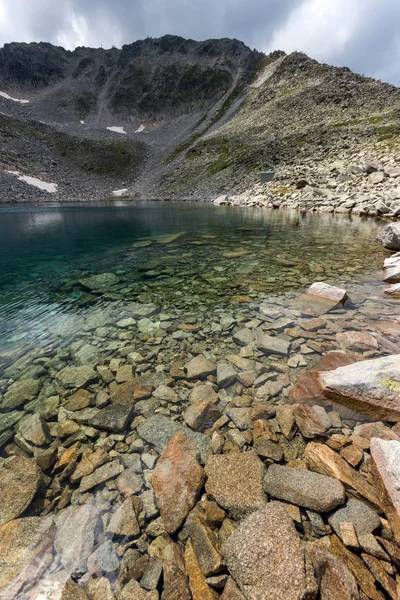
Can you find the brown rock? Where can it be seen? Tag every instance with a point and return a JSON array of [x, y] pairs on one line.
[[385, 458], [308, 420], [202, 415], [376, 568], [369, 387], [231, 591], [266, 557], [205, 544], [326, 461], [376, 430], [356, 340], [177, 481], [202, 393], [352, 454], [100, 589], [89, 463], [335, 580], [123, 393], [20, 478], [362, 575], [198, 585], [320, 298], [78, 401], [199, 367], [176, 585], [73, 591], [235, 481], [23, 545], [124, 521]]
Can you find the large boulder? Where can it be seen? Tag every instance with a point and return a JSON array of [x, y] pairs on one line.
[[370, 387], [385, 456], [20, 478], [266, 558], [389, 237], [305, 488]]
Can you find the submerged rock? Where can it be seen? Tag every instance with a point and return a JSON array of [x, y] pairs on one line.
[[77, 377], [20, 478], [272, 345], [99, 282], [75, 537], [23, 546], [20, 392], [369, 387], [266, 557], [235, 481], [158, 430], [304, 488], [177, 481], [385, 457]]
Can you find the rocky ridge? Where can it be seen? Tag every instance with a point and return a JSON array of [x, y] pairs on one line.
[[173, 118]]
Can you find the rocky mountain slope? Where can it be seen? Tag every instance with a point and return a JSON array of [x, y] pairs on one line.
[[170, 117]]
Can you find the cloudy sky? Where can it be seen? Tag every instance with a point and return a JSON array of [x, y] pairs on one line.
[[361, 34]]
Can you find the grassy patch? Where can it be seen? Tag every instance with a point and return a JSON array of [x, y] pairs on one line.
[[387, 132]]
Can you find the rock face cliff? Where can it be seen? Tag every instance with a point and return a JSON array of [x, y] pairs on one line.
[[175, 117]]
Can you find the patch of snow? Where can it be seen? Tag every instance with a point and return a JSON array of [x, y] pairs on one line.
[[140, 129], [38, 183], [7, 97], [117, 129], [120, 192]]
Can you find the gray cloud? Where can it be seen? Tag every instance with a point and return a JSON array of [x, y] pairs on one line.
[[362, 34]]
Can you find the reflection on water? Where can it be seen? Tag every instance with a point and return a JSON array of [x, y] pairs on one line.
[[44, 251]]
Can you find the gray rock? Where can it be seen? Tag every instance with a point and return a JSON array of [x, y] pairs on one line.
[[304, 488], [104, 559], [9, 419], [272, 345], [115, 417], [100, 475], [77, 377], [99, 282], [33, 428], [158, 430], [266, 558], [364, 518], [243, 337], [20, 392], [199, 367], [152, 575], [376, 177], [389, 237], [75, 537], [142, 311], [226, 374]]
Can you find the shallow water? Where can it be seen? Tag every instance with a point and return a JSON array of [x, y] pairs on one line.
[[222, 253]]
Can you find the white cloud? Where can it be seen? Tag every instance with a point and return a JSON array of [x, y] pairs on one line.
[[318, 27], [362, 34]]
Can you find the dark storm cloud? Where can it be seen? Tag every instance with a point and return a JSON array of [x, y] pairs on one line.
[[362, 34]]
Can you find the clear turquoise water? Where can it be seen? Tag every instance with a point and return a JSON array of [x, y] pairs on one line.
[[45, 250]]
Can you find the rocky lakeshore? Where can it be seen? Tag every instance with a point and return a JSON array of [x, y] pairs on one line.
[[246, 452]]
